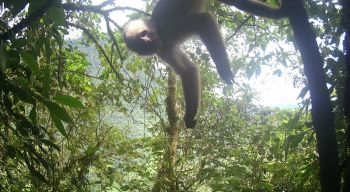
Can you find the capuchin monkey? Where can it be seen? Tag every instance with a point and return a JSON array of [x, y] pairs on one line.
[[172, 22]]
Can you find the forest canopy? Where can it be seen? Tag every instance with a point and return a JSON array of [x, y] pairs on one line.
[[81, 112]]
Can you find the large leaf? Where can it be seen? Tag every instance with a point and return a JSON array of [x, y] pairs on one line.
[[38, 175], [57, 111], [57, 15], [13, 59], [23, 94], [31, 62], [24, 124], [19, 42], [303, 92], [33, 114], [293, 123], [69, 101], [3, 56], [51, 144], [296, 139], [59, 125]]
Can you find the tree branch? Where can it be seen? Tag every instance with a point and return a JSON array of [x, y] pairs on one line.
[[27, 21], [322, 109], [87, 32], [258, 8], [239, 27], [114, 41], [98, 9], [79, 7]]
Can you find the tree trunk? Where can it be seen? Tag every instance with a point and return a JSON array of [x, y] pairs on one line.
[[346, 24], [323, 118], [166, 175]]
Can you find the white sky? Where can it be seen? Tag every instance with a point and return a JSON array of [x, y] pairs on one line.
[[272, 91], [275, 91]]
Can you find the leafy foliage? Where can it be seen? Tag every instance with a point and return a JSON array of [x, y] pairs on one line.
[[84, 114]]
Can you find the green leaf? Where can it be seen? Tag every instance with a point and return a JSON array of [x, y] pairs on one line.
[[46, 81], [31, 62], [50, 144], [23, 122], [91, 150], [57, 111], [10, 151], [295, 140], [48, 49], [33, 114], [293, 123], [303, 92], [19, 43], [13, 59], [59, 125], [69, 101], [38, 175], [125, 187], [250, 71], [57, 15], [25, 95], [3, 56], [277, 72], [257, 70], [35, 5]]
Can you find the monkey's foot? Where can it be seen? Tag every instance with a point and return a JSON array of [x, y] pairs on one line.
[[190, 123]]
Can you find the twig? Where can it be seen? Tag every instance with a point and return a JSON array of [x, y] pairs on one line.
[[114, 40], [87, 32], [98, 9], [239, 28], [105, 3], [127, 8]]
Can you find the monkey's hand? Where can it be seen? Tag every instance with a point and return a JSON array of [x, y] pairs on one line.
[[190, 122], [227, 76]]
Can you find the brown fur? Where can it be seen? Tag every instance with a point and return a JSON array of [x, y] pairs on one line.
[[172, 22]]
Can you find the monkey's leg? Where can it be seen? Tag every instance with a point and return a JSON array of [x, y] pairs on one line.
[[191, 87], [189, 74], [206, 26]]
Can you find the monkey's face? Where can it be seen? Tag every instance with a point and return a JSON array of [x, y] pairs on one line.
[[141, 36]]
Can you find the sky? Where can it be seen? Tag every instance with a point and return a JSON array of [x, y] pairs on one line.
[[275, 91], [272, 91]]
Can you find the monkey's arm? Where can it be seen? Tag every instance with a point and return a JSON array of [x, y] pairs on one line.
[[206, 26], [257, 8], [189, 74]]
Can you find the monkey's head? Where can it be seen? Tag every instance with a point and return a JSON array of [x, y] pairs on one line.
[[141, 36]]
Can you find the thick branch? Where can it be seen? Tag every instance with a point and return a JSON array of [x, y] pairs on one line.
[[79, 7], [346, 43], [166, 174], [257, 8], [28, 20]]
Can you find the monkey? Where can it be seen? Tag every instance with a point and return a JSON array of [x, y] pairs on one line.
[[172, 22]]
